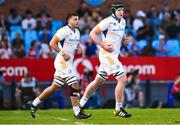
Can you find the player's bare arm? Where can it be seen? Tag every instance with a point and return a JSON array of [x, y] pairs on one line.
[[54, 44], [105, 44]]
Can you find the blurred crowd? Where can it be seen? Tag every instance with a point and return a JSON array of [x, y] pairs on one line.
[[152, 33]]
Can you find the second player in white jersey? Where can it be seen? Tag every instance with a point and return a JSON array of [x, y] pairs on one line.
[[69, 40], [65, 42]]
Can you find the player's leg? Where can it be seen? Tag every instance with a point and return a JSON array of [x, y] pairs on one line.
[[91, 88], [57, 83], [74, 94], [119, 91], [46, 93]]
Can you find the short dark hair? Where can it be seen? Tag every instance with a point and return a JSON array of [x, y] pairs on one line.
[[69, 15]]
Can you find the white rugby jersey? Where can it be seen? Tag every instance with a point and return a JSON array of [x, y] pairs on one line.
[[113, 31], [69, 40]]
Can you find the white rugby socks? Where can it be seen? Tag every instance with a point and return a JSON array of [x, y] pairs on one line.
[[76, 110], [36, 102], [118, 106], [83, 101]]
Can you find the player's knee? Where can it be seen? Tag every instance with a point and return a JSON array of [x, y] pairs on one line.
[[74, 91]]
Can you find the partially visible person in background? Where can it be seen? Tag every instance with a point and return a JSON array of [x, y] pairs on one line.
[[14, 18], [138, 20], [1, 89], [160, 46], [43, 21], [18, 47], [5, 49], [133, 48], [3, 22], [90, 48], [32, 51], [45, 51], [45, 35], [26, 90], [133, 90], [176, 87], [29, 22]]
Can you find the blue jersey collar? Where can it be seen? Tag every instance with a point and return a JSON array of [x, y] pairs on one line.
[[73, 29]]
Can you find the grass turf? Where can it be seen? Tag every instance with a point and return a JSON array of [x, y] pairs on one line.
[[99, 116]]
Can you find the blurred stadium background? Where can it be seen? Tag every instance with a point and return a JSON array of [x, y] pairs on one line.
[[26, 28]]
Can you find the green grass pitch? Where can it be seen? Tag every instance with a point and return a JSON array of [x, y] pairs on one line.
[[99, 116]]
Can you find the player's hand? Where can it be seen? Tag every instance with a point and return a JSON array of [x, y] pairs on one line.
[[65, 55], [107, 46]]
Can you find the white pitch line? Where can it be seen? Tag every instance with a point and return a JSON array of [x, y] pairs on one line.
[[81, 123], [78, 123], [62, 119]]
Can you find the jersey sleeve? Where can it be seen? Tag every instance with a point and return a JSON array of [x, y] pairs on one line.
[[61, 34], [103, 25]]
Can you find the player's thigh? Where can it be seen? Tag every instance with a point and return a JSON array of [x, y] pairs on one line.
[[122, 79], [101, 74], [55, 87], [99, 80]]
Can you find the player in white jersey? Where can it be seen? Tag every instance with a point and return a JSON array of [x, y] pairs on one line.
[[112, 30], [65, 42]]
